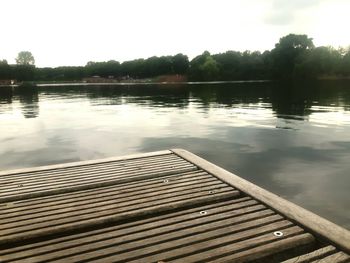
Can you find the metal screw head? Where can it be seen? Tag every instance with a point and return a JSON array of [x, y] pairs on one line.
[[203, 213], [166, 181], [211, 192], [278, 233]]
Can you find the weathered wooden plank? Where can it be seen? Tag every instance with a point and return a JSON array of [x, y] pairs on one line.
[[105, 191], [186, 246], [92, 194], [339, 257], [78, 173], [134, 184], [114, 165], [152, 180], [11, 181], [74, 213], [89, 162], [262, 250], [29, 212], [123, 240], [106, 217], [314, 255], [49, 181], [90, 185], [223, 209], [171, 237], [309, 220], [235, 248]]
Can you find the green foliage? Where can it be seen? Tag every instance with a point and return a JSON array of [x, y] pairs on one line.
[[5, 70], [25, 58], [197, 68], [345, 64], [231, 65], [294, 56], [320, 61], [180, 64], [103, 69], [209, 69], [288, 52], [155, 66], [23, 72]]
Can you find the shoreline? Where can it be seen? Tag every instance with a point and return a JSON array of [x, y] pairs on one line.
[[65, 84], [139, 83]]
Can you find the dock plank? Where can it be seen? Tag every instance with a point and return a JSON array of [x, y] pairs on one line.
[[339, 257], [259, 252], [119, 241], [312, 256], [202, 245], [104, 215], [166, 206], [48, 181], [21, 194], [74, 176], [85, 163], [20, 210], [224, 209]]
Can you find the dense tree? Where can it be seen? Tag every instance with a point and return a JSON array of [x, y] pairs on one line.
[[103, 69], [229, 64], [180, 64], [133, 68], [288, 52], [345, 66], [5, 70], [155, 66], [196, 69], [209, 69], [25, 58], [25, 69], [320, 61], [252, 66], [294, 56], [23, 72]]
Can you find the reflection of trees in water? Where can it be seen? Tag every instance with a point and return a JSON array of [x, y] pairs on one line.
[[230, 94], [290, 100], [284, 100], [28, 97], [29, 100], [6, 94], [298, 98], [287, 100], [147, 95]]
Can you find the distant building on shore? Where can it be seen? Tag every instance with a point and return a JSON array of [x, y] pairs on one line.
[[8, 81]]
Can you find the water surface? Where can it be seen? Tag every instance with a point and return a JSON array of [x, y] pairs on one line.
[[292, 139]]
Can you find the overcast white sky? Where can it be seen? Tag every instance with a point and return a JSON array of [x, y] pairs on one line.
[[73, 32]]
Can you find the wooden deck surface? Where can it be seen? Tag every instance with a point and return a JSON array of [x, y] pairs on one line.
[[167, 206]]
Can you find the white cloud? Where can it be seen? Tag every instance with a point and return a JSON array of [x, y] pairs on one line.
[[73, 32]]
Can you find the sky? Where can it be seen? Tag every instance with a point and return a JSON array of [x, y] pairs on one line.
[[73, 32]]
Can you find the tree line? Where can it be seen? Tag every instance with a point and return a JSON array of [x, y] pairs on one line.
[[294, 56]]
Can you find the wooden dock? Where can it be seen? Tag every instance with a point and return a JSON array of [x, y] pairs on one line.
[[167, 206]]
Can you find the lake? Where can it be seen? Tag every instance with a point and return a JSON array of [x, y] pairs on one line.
[[290, 138]]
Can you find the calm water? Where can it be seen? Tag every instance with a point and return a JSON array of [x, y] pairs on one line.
[[293, 140]]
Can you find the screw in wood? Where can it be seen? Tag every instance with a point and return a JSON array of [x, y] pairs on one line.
[[278, 233]]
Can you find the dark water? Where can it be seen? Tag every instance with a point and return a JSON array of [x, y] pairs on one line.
[[293, 139]]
